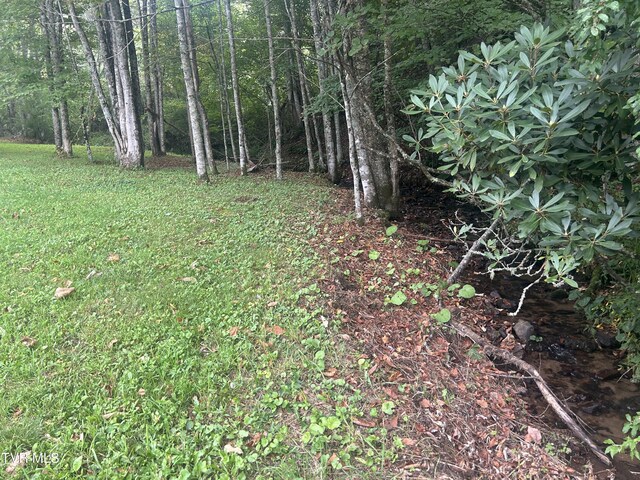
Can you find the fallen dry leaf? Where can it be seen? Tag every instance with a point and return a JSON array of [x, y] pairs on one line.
[[233, 331], [107, 416], [390, 392], [409, 442], [63, 292], [277, 330], [228, 448], [272, 304], [112, 343], [29, 341], [363, 423], [113, 257], [330, 372], [391, 423], [142, 392], [424, 403], [187, 279], [482, 403], [18, 460], [533, 435]]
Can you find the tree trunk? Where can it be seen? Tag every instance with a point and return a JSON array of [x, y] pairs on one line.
[[204, 119], [195, 125], [150, 98], [389, 117], [290, 6], [274, 93], [60, 111], [353, 157], [242, 146], [322, 76], [156, 81], [133, 155], [95, 78], [369, 142], [223, 83]]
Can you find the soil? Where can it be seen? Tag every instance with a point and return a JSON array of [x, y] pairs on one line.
[[458, 414]]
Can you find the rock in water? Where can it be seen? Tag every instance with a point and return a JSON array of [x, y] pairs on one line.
[[523, 330]]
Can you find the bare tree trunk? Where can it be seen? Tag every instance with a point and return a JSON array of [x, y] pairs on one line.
[[133, 155], [204, 119], [366, 176], [223, 83], [322, 76], [95, 79], [289, 5], [192, 96], [389, 117], [274, 92], [60, 111], [353, 157], [242, 146], [150, 106], [156, 83]]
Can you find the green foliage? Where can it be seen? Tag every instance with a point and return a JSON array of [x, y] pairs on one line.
[[631, 442], [398, 298], [530, 132], [443, 316], [165, 360]]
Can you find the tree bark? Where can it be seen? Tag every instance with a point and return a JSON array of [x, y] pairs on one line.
[[318, 33], [223, 83], [60, 111], [291, 12], [95, 79], [242, 146], [389, 116], [133, 154], [204, 119], [274, 93], [353, 157], [156, 83], [195, 127]]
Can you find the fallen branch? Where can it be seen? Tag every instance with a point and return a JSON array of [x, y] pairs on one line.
[[474, 248], [548, 395]]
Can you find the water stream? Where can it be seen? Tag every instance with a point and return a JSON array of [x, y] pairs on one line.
[[580, 371]]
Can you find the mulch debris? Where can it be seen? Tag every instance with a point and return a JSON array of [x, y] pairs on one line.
[[458, 415]]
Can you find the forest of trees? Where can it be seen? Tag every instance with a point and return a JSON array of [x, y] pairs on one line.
[[536, 122], [318, 82]]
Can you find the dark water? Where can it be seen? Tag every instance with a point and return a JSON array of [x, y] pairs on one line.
[[581, 373]]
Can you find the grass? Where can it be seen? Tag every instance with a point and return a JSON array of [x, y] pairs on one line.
[[185, 350]]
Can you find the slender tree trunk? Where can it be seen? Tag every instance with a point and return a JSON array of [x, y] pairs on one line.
[[192, 97], [337, 124], [322, 76], [369, 142], [60, 111], [133, 155], [242, 146], [149, 96], [366, 177], [353, 157], [274, 92], [156, 81], [389, 117], [289, 5], [204, 119], [95, 79], [224, 84]]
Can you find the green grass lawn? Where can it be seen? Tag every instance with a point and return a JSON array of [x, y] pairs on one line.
[[184, 351]]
